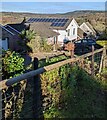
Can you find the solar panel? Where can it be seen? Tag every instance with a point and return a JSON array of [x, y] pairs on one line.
[[34, 20], [66, 20], [29, 20], [46, 20], [61, 20], [57, 22], [62, 24], [53, 24], [51, 20], [43, 19]]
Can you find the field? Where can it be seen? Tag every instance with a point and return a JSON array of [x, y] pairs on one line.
[[96, 18]]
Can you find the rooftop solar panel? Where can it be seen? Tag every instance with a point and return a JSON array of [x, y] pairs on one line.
[[57, 22], [42, 20], [29, 20], [62, 24], [66, 20]]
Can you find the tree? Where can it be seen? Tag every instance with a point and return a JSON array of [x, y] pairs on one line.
[[32, 42], [26, 36]]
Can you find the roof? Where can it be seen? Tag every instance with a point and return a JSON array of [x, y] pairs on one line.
[[90, 26], [80, 32], [18, 26], [2, 28], [53, 27], [43, 29]]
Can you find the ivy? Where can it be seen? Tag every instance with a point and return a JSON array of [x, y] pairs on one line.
[[13, 64]]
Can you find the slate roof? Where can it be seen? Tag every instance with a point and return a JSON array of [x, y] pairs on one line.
[[80, 32], [90, 26], [18, 26], [43, 29], [55, 27]]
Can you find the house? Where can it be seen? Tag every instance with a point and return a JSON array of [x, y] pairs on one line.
[[66, 28], [44, 30], [8, 38], [54, 29], [40, 28], [88, 29]]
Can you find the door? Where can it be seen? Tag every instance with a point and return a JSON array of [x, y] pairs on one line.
[[4, 44]]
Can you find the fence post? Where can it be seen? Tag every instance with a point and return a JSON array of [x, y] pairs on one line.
[[92, 61], [37, 111], [104, 57]]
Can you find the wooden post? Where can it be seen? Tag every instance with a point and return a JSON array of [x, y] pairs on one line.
[[103, 60], [55, 44], [92, 62], [37, 111], [104, 57]]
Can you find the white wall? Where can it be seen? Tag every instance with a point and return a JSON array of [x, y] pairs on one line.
[[71, 26], [64, 33], [85, 28]]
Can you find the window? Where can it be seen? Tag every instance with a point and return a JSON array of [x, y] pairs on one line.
[[73, 31], [55, 40], [84, 41], [79, 41], [68, 32]]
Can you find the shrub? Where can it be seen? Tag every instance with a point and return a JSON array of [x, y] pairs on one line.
[[13, 64]]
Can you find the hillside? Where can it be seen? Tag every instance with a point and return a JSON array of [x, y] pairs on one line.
[[96, 18]]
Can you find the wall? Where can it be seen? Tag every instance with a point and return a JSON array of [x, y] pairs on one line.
[[85, 28], [64, 33], [71, 26], [12, 39]]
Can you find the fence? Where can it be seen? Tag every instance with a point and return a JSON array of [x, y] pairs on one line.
[[13, 95]]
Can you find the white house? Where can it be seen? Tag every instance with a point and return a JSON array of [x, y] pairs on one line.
[[88, 29], [69, 31], [55, 29], [67, 28]]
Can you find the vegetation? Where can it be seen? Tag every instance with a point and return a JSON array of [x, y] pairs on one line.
[[103, 36], [96, 18], [69, 92], [26, 36], [13, 64], [39, 45], [32, 42], [102, 40]]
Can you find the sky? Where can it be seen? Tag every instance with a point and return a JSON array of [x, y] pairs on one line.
[[51, 7]]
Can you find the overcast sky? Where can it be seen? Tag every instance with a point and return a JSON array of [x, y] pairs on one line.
[[51, 7]]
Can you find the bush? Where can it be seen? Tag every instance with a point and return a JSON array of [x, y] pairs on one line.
[[103, 36], [13, 64]]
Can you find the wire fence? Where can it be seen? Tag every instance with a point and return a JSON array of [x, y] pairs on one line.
[[31, 97]]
